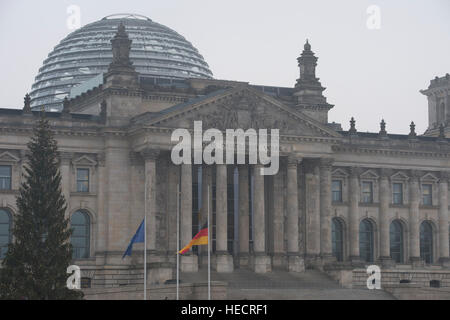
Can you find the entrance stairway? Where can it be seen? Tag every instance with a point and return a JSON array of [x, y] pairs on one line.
[[282, 285]]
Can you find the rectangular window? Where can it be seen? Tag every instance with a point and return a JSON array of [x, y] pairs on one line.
[[336, 190], [5, 177], [367, 192], [426, 194], [398, 193], [82, 180]]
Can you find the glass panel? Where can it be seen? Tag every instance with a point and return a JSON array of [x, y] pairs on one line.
[[367, 192], [4, 229], [80, 224], [337, 191], [82, 180], [337, 239], [366, 241], [5, 171], [396, 241], [398, 193], [4, 216], [426, 242], [426, 194]]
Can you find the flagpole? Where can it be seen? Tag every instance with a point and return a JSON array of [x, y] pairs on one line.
[[209, 255], [145, 243], [178, 236]]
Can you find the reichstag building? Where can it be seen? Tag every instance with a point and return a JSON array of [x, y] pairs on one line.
[[114, 91]]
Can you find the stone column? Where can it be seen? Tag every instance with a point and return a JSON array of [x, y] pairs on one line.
[[295, 263], [385, 196], [150, 157], [414, 231], [312, 228], [244, 214], [189, 261], [102, 214], [261, 262], [66, 158], [325, 210], [223, 261], [443, 220], [279, 191], [354, 215]]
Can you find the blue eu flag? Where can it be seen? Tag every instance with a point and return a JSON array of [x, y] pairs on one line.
[[137, 238]]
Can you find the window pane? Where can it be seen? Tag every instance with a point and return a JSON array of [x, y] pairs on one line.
[[82, 180], [337, 240], [426, 194], [426, 242], [366, 241], [396, 241], [337, 191], [80, 224], [5, 171], [367, 192]]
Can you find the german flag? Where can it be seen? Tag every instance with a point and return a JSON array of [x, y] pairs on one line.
[[200, 238]]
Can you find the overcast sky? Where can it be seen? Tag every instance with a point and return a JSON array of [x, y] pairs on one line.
[[368, 73]]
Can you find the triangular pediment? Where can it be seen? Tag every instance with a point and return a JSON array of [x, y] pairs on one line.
[[8, 157], [430, 177], [241, 108], [399, 176], [369, 174], [339, 173], [84, 161]]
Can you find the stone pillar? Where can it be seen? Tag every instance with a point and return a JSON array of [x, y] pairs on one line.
[[385, 196], [443, 220], [261, 262], [325, 210], [244, 214], [66, 158], [312, 228], [414, 231], [295, 263], [150, 157], [223, 261], [354, 215], [102, 214], [188, 261], [279, 190]]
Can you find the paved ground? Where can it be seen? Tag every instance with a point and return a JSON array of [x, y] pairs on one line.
[[281, 285]]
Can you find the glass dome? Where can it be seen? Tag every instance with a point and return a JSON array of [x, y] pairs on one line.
[[156, 51]]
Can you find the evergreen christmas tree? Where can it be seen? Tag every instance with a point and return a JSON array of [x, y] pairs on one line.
[[36, 262]]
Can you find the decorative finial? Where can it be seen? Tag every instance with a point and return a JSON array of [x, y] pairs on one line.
[[412, 130], [352, 126], [307, 46], [383, 128], [27, 103]]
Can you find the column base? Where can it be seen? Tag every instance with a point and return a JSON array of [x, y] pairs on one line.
[[295, 263], [280, 261], [312, 261], [243, 260], [445, 262], [159, 272], [356, 262], [189, 263], [386, 262], [223, 263], [327, 258], [417, 262], [261, 263]]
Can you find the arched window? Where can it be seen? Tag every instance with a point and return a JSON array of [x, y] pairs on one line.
[[396, 241], [366, 240], [426, 242], [80, 224], [5, 232], [337, 238]]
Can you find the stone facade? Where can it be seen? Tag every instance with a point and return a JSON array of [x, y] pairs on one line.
[[308, 215]]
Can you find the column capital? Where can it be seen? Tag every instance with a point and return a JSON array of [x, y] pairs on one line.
[[101, 159], [293, 160], [415, 175], [66, 157], [444, 176], [326, 162], [354, 172], [150, 154], [385, 173]]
